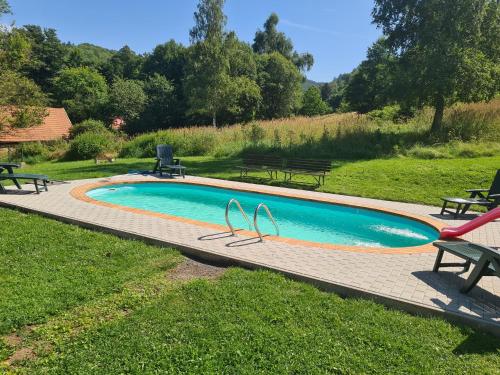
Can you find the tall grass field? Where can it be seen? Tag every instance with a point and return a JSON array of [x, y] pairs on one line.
[[470, 130]]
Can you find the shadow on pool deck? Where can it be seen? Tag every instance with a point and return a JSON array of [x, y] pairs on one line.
[[449, 284]]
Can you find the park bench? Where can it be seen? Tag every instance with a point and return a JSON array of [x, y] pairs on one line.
[[255, 162], [485, 259], [315, 168]]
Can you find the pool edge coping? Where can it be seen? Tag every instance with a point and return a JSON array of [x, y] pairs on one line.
[[79, 192]]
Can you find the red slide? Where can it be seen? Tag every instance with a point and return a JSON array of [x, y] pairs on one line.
[[471, 225]]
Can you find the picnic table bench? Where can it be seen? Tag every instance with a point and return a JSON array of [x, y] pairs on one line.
[[9, 167], [15, 177]]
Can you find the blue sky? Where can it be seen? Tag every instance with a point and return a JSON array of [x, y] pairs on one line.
[[336, 32]]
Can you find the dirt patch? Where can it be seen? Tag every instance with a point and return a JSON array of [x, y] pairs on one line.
[[191, 269], [13, 340], [21, 355]]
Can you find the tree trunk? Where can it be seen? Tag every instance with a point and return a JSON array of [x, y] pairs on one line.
[[214, 120], [437, 122]]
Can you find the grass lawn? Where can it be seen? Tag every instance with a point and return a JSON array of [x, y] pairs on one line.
[[86, 302], [399, 179]]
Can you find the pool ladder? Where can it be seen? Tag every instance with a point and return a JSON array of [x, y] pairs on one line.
[[255, 218]]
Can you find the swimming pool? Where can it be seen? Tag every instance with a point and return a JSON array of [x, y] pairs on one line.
[[297, 218]]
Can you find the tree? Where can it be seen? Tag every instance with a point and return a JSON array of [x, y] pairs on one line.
[[82, 91], [15, 50], [168, 60], [280, 84], [271, 40], [88, 55], [207, 79], [127, 99], [47, 55], [4, 7], [241, 57], [338, 86], [326, 91], [161, 109], [242, 102], [373, 83], [23, 103], [312, 104], [448, 49], [123, 64]]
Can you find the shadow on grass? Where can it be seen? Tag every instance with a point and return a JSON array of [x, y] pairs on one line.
[[302, 185], [212, 166], [477, 343], [348, 144], [97, 170]]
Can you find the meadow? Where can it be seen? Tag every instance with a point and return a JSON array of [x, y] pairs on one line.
[[470, 130]]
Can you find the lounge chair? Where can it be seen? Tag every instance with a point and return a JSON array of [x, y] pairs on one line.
[[486, 260], [165, 161], [36, 178], [490, 200]]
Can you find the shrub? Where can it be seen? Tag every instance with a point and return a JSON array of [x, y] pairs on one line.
[[185, 142], [90, 125], [255, 133], [387, 113], [32, 152], [88, 145]]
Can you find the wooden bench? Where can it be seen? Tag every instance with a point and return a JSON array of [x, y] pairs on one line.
[[486, 260], [18, 176], [316, 168], [255, 162]]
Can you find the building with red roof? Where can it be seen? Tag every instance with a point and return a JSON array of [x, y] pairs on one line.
[[56, 125]]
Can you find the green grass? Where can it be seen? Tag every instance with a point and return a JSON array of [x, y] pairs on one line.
[[104, 305], [259, 322], [47, 267], [398, 179]]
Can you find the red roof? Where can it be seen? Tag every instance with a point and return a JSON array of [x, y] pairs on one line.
[[55, 126]]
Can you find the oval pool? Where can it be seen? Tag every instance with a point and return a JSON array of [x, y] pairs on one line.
[[297, 218]]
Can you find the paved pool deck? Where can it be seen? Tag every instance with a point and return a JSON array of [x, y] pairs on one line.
[[398, 279]]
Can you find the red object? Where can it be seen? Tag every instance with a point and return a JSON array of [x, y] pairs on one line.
[[117, 123], [471, 225]]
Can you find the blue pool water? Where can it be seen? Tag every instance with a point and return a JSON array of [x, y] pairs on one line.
[[296, 218]]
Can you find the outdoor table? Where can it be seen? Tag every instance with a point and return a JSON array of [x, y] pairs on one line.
[[9, 167]]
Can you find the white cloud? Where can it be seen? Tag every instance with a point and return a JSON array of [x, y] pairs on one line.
[[310, 28], [315, 29]]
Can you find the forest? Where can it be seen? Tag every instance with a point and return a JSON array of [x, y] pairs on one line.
[[218, 79]]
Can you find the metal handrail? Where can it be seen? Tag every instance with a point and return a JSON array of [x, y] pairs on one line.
[[231, 201], [255, 215]]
